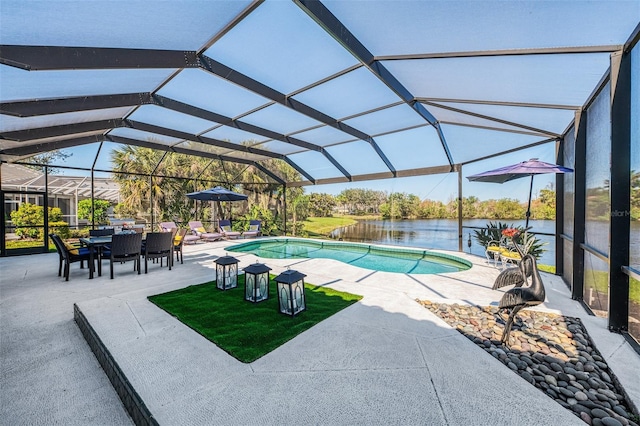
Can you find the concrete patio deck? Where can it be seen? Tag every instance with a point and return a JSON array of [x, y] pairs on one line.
[[384, 360]]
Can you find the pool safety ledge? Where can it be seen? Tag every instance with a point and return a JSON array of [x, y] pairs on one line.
[[378, 258]]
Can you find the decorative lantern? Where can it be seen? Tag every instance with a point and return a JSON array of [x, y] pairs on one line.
[[291, 292], [226, 272], [256, 282]]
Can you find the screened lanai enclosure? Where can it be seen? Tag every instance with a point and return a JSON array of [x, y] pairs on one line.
[[267, 97]]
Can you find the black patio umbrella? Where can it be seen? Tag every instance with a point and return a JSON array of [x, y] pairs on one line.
[[217, 193], [516, 171]]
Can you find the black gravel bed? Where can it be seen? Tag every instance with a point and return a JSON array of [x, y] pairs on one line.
[[552, 352]]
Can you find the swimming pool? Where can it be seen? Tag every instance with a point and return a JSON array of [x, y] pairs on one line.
[[387, 259]]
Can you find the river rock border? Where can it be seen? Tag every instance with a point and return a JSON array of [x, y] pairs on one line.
[[552, 352]]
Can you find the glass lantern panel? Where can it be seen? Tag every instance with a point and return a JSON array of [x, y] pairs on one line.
[[249, 287], [262, 287], [283, 297], [231, 276], [298, 297]]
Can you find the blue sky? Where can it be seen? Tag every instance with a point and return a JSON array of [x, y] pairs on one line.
[[442, 187], [293, 51]]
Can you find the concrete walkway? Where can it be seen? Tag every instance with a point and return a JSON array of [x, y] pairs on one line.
[[384, 360]]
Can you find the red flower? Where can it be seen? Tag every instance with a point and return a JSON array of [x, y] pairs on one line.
[[509, 232]]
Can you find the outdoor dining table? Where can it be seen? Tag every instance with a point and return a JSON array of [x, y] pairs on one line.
[[95, 245]]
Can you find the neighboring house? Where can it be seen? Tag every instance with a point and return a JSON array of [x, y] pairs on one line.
[[63, 191]]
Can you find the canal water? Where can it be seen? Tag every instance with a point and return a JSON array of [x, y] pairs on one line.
[[436, 234], [443, 234]]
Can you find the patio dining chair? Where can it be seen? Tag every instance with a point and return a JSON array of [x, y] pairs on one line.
[[125, 247], [104, 251], [158, 245], [101, 232], [224, 227], [178, 242], [198, 229], [69, 254]]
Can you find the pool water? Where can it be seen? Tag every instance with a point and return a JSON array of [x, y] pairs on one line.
[[366, 256]]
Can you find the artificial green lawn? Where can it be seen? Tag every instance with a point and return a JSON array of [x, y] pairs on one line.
[[244, 329]]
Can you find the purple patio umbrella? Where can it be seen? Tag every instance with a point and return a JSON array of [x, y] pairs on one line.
[[516, 171]]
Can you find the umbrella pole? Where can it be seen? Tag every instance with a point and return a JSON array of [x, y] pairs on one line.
[[529, 204]]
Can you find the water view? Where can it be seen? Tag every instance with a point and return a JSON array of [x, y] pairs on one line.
[[436, 234], [443, 234]]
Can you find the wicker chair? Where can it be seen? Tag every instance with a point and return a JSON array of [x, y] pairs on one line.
[[125, 247], [101, 232], [178, 242], [158, 246], [104, 251], [68, 255]]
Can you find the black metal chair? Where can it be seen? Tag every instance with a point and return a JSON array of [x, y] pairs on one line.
[[69, 254], [158, 246], [125, 247]]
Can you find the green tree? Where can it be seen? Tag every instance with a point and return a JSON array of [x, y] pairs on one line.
[[41, 161], [635, 195], [100, 210], [544, 207], [400, 205], [430, 209], [188, 174], [321, 205], [361, 201], [470, 207]]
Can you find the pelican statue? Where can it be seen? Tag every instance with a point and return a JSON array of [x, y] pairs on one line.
[[519, 297]]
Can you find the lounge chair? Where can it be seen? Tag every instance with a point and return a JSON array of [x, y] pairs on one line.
[[254, 229], [224, 227], [492, 252], [198, 229], [171, 226]]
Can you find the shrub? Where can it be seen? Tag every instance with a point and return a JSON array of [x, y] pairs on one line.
[[493, 232], [29, 220], [60, 228], [268, 225], [79, 233], [101, 207]]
